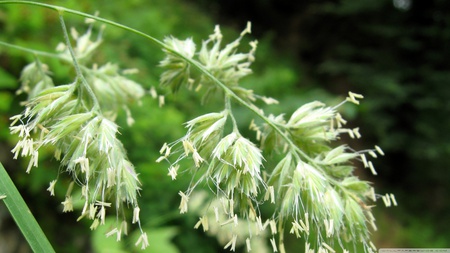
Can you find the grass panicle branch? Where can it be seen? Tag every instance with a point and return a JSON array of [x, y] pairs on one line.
[[312, 185]]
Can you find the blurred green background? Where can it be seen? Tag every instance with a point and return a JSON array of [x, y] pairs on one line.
[[395, 52]]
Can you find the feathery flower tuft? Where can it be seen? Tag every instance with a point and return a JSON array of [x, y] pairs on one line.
[[77, 121], [225, 64], [312, 185]]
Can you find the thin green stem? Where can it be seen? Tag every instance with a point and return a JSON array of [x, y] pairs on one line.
[[251, 107], [194, 63], [32, 51], [22, 215], [80, 75], [61, 9], [228, 108]]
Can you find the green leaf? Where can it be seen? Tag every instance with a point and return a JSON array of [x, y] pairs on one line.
[[8, 81], [22, 215], [159, 240], [5, 101]]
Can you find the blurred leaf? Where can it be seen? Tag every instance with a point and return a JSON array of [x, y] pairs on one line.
[[5, 101], [103, 244], [159, 240], [7, 81]]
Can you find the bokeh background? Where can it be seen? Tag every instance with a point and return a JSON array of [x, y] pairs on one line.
[[395, 52]]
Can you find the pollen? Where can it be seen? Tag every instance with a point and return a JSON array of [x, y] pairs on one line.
[[173, 171], [304, 227], [161, 101], [197, 158], [296, 229], [248, 244], [95, 224], [248, 29], [352, 97], [143, 241], [188, 148], [372, 169], [163, 148], [386, 200], [328, 247], [378, 149], [92, 211], [273, 226], [101, 215], [363, 158], [274, 244], [153, 92], [259, 223], [203, 221], [68, 204], [136, 211], [356, 132], [394, 201], [184, 202], [51, 187], [232, 243], [216, 213]]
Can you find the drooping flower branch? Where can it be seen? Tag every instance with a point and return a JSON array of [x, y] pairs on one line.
[[78, 121], [315, 193]]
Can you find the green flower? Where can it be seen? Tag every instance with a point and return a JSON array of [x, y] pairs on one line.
[[77, 121], [225, 64]]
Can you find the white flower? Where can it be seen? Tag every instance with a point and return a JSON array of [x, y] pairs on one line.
[[143, 241], [231, 243], [184, 202], [136, 211], [173, 171], [51, 188], [68, 204]]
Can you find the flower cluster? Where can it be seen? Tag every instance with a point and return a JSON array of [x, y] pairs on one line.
[[309, 180], [230, 233], [225, 64], [312, 185], [35, 78], [314, 182], [77, 121], [229, 164]]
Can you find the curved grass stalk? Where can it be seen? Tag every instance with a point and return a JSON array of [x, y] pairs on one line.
[[76, 65], [22, 215], [194, 63], [298, 153], [31, 51]]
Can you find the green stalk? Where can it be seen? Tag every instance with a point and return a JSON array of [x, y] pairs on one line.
[[194, 63], [32, 51], [77, 66], [22, 215], [61, 10]]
